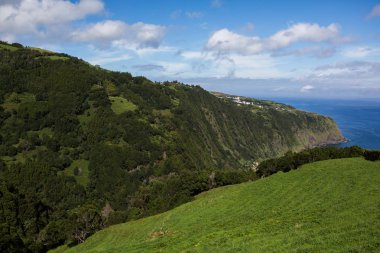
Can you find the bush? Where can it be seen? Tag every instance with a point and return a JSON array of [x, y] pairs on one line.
[[164, 193], [291, 161], [372, 155]]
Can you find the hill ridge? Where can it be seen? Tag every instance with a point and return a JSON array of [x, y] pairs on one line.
[[324, 206], [80, 141]]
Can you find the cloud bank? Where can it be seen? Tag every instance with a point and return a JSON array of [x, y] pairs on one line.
[[118, 33], [55, 20], [226, 41], [38, 16]]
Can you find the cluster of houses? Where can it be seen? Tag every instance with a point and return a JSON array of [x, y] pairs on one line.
[[243, 102], [239, 101]]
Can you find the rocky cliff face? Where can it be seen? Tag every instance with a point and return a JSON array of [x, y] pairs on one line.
[[232, 131], [327, 133]]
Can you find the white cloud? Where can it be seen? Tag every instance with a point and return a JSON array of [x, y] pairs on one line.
[[359, 52], [204, 26], [375, 12], [206, 64], [189, 55], [3, 2], [189, 14], [216, 3], [194, 14], [149, 67], [173, 69], [257, 66], [53, 20], [279, 89], [121, 34], [307, 88], [147, 51], [342, 79], [348, 71], [315, 51], [37, 16], [110, 59], [345, 79], [304, 32], [249, 27], [176, 14], [225, 41], [282, 88]]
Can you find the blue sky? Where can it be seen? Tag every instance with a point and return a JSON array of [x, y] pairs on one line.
[[320, 49]]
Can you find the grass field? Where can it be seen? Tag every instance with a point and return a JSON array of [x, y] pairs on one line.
[[82, 165], [40, 50], [328, 206], [9, 47], [54, 57], [120, 105]]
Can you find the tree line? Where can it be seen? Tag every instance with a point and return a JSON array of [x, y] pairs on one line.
[[292, 160]]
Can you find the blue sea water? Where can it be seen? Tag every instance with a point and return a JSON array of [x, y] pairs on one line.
[[358, 120]]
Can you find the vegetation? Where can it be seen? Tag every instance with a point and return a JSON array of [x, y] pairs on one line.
[[8, 47], [82, 148], [372, 155], [327, 206], [79, 170], [120, 105], [54, 57], [291, 160]]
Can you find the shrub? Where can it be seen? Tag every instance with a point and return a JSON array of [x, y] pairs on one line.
[[372, 155]]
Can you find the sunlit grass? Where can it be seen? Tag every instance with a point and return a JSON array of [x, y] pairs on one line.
[[54, 57], [120, 105], [8, 47], [328, 206]]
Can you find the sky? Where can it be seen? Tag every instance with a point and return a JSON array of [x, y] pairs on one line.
[[306, 49]]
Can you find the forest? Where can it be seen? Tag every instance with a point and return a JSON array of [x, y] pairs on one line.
[[82, 148]]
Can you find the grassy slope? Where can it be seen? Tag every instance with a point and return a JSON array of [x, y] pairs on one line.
[[120, 105], [328, 206], [55, 57], [8, 47]]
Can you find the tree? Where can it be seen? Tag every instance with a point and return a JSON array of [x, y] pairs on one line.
[[87, 220]]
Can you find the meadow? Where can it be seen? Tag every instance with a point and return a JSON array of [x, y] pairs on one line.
[[327, 206]]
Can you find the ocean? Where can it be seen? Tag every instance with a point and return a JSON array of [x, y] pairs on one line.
[[358, 120]]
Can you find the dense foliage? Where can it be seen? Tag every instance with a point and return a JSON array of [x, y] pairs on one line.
[[165, 193], [372, 155], [292, 160], [82, 147]]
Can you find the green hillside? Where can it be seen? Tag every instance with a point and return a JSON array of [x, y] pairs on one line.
[[328, 206], [80, 141]]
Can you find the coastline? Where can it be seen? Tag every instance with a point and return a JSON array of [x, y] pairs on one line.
[[332, 143]]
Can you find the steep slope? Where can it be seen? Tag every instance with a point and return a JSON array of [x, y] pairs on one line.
[[201, 129], [236, 132], [116, 147], [328, 206]]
